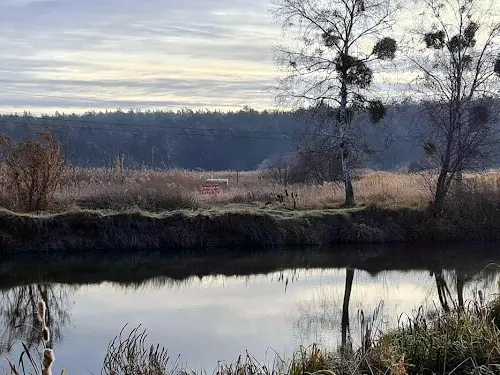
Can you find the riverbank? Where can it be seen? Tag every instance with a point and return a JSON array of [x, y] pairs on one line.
[[237, 226]]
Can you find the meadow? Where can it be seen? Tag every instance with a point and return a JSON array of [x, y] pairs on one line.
[[163, 190]]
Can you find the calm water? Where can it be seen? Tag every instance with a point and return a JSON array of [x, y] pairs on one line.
[[209, 318]]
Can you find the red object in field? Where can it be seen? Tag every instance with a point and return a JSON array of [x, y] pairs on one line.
[[210, 189]]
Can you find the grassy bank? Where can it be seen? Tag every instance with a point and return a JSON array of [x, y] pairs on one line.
[[240, 226]]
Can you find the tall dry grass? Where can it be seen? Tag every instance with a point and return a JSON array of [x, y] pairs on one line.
[[118, 188]]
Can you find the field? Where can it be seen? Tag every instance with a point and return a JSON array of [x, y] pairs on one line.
[[151, 190]]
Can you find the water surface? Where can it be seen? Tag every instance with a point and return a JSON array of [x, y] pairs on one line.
[[215, 316]]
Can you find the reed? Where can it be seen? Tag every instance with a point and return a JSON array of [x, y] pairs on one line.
[[43, 364]]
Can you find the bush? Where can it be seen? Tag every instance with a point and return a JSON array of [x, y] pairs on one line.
[[309, 166], [33, 169]]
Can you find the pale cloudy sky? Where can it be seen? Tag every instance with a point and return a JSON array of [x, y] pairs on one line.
[[63, 54]]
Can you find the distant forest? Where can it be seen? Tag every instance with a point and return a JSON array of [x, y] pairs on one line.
[[212, 140]]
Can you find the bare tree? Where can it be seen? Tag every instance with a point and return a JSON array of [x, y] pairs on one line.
[[327, 65], [458, 66]]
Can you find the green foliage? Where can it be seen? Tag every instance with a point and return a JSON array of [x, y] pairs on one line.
[[470, 31], [430, 148], [130, 355], [466, 39], [356, 72], [496, 68], [377, 111], [435, 39], [210, 140], [385, 49], [330, 38]]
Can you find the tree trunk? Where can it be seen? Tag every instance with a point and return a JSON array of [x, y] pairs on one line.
[[440, 195], [344, 148], [345, 309], [442, 290], [460, 288]]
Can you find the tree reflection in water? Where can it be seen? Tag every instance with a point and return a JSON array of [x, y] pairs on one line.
[[18, 314], [326, 315]]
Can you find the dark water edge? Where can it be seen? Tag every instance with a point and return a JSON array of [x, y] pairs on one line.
[[132, 267], [237, 227]]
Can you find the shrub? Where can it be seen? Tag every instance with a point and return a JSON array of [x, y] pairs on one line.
[[33, 169]]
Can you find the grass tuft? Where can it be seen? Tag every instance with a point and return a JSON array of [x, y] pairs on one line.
[[462, 341]]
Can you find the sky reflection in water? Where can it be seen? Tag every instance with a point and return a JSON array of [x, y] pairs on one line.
[[217, 318]]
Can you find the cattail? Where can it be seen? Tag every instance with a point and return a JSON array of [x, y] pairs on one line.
[[48, 359], [45, 334], [42, 308]]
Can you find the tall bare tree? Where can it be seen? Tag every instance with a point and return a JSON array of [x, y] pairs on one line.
[[327, 62], [458, 68]]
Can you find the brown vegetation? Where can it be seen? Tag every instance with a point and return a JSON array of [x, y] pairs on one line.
[[34, 177], [119, 189], [133, 209], [31, 171]]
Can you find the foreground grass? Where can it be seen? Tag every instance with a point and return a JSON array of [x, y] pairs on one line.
[[465, 340]]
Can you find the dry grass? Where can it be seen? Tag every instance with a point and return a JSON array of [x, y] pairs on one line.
[[118, 188]]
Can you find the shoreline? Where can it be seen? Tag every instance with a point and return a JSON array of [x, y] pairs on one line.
[[234, 227]]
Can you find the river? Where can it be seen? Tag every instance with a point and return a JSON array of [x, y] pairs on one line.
[[224, 307]]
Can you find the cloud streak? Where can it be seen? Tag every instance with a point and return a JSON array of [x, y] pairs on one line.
[[124, 53]]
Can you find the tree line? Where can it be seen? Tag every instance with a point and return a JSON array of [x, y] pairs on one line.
[[211, 140]]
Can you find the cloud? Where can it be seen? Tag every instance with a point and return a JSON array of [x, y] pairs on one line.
[[155, 53]]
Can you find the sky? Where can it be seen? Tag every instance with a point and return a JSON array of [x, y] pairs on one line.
[[79, 55]]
